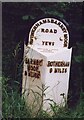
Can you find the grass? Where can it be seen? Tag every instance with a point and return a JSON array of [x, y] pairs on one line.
[[13, 106]]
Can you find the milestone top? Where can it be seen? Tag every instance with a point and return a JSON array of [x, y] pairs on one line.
[[49, 33]]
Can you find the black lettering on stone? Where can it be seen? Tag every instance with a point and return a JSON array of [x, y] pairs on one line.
[[59, 23], [59, 70], [51, 31], [32, 33], [65, 44], [55, 22], [55, 70], [34, 27], [62, 27], [64, 30], [46, 30], [49, 63], [46, 43], [65, 70], [42, 42], [44, 21], [49, 43], [65, 36], [33, 30], [51, 70], [40, 22], [52, 43], [42, 30], [48, 21], [26, 61], [25, 73], [52, 20], [31, 41], [37, 24], [55, 31]]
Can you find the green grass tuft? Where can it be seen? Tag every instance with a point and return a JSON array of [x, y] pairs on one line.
[[14, 106]]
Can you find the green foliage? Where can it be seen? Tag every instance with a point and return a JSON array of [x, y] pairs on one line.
[[17, 21], [79, 112], [80, 57], [26, 17], [13, 106]]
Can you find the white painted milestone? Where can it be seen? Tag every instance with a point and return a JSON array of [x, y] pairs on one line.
[[47, 61]]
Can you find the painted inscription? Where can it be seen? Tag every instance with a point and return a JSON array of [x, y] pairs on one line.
[[33, 67], [48, 43], [48, 30], [59, 26], [58, 66]]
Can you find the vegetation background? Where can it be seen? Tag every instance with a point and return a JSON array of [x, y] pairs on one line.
[[17, 19]]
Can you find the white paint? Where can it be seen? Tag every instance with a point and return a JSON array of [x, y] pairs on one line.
[[50, 37], [56, 83]]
